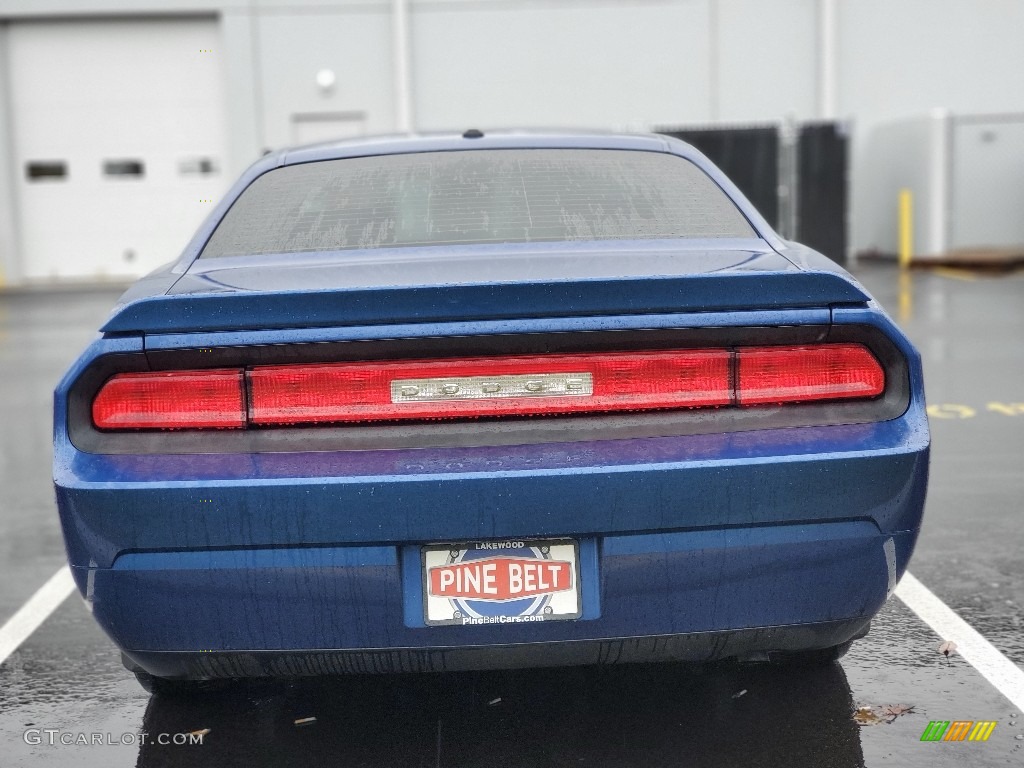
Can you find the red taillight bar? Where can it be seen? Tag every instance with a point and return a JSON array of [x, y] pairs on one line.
[[503, 386], [800, 374], [212, 398], [520, 385]]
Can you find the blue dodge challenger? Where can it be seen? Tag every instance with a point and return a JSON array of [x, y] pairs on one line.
[[488, 401]]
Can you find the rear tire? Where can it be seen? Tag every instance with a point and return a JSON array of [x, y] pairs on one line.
[[162, 686], [819, 657]]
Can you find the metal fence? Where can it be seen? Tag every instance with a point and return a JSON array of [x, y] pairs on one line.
[[795, 174]]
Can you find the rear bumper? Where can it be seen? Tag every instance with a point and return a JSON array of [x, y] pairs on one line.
[[691, 647], [111, 505], [683, 595]]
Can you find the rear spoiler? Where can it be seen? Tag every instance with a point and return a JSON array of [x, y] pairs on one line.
[[239, 310]]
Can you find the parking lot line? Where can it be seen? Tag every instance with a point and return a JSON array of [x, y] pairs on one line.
[[35, 611], [1002, 673]]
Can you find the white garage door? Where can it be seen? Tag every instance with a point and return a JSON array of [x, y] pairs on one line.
[[118, 142]]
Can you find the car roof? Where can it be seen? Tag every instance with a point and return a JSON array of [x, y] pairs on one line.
[[473, 139]]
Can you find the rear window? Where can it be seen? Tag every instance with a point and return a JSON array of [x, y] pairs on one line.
[[476, 196]]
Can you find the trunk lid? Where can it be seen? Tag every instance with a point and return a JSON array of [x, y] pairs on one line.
[[480, 283]]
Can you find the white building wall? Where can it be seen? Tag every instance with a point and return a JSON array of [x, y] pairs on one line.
[[597, 63], [10, 267], [353, 43], [560, 63], [766, 60], [242, 103]]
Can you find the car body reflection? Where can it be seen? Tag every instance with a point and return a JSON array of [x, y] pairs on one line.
[[642, 715]]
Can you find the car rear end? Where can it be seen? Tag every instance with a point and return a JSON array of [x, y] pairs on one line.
[[434, 452]]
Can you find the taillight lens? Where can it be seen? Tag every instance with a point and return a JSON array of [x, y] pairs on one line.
[[495, 386], [171, 400], [800, 374], [522, 385]]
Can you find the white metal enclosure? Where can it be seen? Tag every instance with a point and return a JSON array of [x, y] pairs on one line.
[[986, 185], [118, 141], [967, 176]]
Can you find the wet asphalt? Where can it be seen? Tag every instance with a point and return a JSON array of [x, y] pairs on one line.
[[67, 677]]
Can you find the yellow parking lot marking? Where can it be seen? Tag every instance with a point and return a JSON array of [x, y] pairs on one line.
[[954, 411], [955, 274], [951, 411], [1006, 409]]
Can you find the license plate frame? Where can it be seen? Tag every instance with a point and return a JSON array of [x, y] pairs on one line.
[[501, 582]]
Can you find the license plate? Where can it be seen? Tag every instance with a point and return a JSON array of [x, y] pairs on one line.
[[501, 582]]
